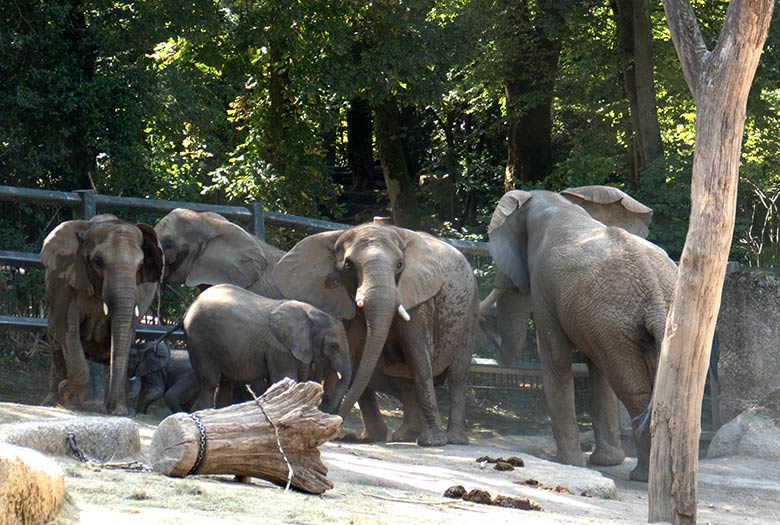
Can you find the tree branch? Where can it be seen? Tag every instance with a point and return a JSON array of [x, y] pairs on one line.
[[748, 22], [688, 41]]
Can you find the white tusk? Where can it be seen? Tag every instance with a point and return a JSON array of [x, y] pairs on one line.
[[338, 374], [105, 308], [494, 295], [137, 311], [403, 313], [360, 299]]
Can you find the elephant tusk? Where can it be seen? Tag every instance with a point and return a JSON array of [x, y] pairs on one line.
[[360, 299], [338, 374], [137, 311], [494, 295], [403, 313], [105, 308]]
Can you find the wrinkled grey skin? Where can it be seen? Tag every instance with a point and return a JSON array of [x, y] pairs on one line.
[[597, 288], [235, 336], [362, 275], [162, 373], [203, 249], [95, 272]]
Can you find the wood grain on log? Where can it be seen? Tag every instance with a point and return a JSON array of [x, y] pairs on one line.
[[241, 440]]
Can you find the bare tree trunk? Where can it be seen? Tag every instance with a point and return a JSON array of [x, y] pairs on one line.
[[636, 57], [400, 189], [360, 142], [719, 81]]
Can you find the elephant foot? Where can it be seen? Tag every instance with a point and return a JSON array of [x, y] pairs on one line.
[[116, 409], [71, 394], [457, 436], [405, 435], [364, 437], [606, 455], [577, 459], [432, 438], [640, 473]]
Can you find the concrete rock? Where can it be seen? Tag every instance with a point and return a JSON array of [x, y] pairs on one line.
[[32, 489], [99, 438], [752, 433]]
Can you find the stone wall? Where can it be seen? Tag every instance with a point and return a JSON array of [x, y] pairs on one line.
[[749, 340]]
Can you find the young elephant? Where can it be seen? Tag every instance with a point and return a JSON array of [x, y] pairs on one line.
[[161, 372], [235, 336]]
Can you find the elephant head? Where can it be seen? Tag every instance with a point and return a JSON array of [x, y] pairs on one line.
[[606, 204], [204, 249], [314, 337], [383, 270], [93, 272]]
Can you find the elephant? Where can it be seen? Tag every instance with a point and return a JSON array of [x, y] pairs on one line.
[[160, 372], [204, 248], [95, 274], [235, 336], [608, 205], [592, 287], [409, 302]]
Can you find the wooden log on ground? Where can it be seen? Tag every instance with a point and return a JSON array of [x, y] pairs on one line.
[[242, 439]]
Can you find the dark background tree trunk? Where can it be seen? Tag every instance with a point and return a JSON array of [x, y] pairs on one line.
[[360, 143]]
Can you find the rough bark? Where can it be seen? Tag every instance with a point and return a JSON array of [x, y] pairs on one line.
[[720, 81], [636, 57], [400, 188], [241, 440], [32, 488]]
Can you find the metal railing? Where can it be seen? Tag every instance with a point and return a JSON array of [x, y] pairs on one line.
[[87, 203]]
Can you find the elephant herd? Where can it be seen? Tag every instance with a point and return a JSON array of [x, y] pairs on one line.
[[373, 308]]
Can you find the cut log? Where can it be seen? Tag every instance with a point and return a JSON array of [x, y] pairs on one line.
[[242, 439]]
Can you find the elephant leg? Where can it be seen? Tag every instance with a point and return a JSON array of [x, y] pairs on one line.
[[57, 372], [606, 425], [457, 376], [513, 310], [418, 351], [73, 388], [223, 396], [410, 428], [180, 394], [152, 389], [555, 358], [374, 427]]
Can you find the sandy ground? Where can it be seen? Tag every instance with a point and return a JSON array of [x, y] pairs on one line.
[[402, 483]]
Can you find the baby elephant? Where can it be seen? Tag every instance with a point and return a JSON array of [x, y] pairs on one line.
[[235, 336], [156, 373]]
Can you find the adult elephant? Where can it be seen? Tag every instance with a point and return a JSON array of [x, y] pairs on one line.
[[95, 273], [596, 288], [608, 205], [204, 248], [410, 303], [235, 336]]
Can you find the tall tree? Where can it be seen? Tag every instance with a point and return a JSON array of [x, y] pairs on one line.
[[635, 45], [529, 38], [719, 81]]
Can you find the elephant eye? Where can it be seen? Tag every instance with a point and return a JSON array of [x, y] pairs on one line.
[[98, 261], [348, 265], [399, 265]]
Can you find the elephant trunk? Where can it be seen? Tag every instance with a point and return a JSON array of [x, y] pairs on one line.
[[380, 304], [119, 296], [343, 367]]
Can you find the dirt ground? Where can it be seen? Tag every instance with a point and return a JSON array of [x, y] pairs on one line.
[[397, 483]]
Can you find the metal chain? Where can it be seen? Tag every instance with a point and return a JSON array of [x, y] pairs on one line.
[[278, 441], [70, 437], [201, 446]]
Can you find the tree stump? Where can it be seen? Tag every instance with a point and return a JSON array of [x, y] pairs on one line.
[[242, 439]]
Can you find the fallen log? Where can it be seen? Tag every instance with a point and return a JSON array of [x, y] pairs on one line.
[[246, 439]]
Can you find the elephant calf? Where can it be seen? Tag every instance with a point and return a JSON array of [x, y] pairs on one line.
[[161, 373], [235, 336]]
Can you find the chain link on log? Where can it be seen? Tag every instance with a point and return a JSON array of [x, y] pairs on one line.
[[70, 437], [201, 446]]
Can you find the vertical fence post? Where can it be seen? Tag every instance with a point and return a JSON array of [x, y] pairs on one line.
[[257, 224], [88, 208]]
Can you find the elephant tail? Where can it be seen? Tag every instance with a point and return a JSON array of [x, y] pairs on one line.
[[179, 324]]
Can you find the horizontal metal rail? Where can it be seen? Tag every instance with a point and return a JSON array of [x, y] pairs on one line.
[[39, 324]]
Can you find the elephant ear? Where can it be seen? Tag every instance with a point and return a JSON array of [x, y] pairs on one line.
[[61, 255], [308, 273], [612, 207], [231, 256], [292, 327], [153, 359], [509, 239], [422, 277], [152, 266]]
